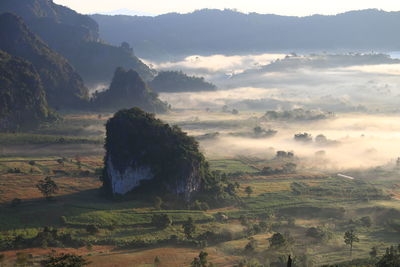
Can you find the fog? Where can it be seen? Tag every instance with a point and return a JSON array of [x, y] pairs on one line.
[[330, 82], [363, 97], [361, 141]]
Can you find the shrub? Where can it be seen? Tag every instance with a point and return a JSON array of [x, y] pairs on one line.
[[277, 240], [161, 221], [65, 260], [92, 229]]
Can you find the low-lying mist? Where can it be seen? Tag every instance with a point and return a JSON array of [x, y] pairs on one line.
[[355, 140], [361, 89]]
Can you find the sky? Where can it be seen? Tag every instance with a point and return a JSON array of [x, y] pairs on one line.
[[281, 7]]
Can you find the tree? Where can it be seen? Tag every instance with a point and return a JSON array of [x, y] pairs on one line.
[[201, 260], [251, 246], [350, 237], [391, 258], [374, 252], [277, 240], [92, 229], [158, 203], [189, 228], [249, 191], [65, 260], [366, 221], [157, 261], [47, 187], [161, 221]]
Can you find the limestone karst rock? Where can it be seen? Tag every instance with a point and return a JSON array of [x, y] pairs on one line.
[[144, 153], [128, 90]]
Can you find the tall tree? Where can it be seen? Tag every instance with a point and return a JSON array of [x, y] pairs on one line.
[[249, 191], [189, 228], [350, 237]]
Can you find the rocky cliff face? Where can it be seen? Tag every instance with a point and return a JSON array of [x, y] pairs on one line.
[[22, 98], [144, 154]]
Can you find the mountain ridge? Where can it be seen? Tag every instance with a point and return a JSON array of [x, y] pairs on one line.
[[227, 31]]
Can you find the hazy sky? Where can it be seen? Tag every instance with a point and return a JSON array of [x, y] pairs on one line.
[[283, 7]]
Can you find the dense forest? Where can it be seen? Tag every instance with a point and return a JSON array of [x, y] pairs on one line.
[[228, 31], [177, 81], [63, 86], [23, 104]]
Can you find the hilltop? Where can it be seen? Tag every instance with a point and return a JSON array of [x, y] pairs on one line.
[[76, 37], [211, 31], [22, 97], [63, 86]]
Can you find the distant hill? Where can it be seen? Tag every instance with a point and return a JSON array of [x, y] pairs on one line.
[[227, 31], [177, 81], [128, 90], [63, 86], [76, 37], [23, 103]]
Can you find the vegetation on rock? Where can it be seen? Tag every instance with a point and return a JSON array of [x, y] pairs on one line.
[[128, 90], [23, 102], [177, 81], [63, 86]]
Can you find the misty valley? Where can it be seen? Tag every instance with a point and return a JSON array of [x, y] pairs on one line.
[[189, 155]]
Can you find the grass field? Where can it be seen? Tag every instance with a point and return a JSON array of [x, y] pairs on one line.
[[326, 201]]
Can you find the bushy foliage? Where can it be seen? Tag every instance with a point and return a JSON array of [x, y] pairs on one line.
[[47, 187], [391, 257], [277, 240], [65, 260], [177, 81], [189, 228], [92, 229], [174, 157], [63, 86], [296, 115], [136, 138], [286, 168], [23, 104], [161, 221]]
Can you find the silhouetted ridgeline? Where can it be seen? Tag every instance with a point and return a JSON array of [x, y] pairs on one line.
[[215, 31], [75, 36], [127, 90]]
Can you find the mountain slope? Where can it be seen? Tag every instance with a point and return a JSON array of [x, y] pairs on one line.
[[128, 90], [216, 31], [75, 36], [22, 98], [64, 87]]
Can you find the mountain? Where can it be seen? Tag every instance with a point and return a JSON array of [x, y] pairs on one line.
[[143, 152], [127, 12], [63, 86], [23, 103], [227, 31], [128, 90], [177, 81], [76, 37]]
